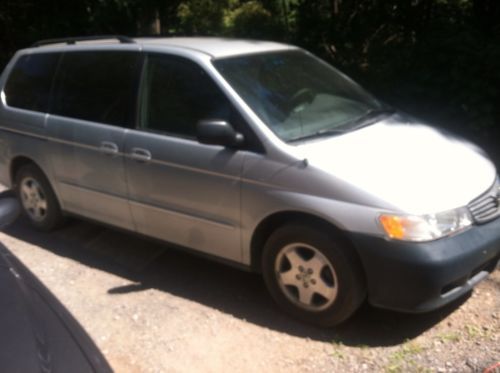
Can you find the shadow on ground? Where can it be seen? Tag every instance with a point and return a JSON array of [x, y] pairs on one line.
[[150, 265]]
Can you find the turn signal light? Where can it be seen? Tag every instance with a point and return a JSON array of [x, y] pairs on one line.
[[393, 226]]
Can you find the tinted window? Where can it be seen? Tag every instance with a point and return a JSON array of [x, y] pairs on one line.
[[177, 94], [29, 83], [98, 86]]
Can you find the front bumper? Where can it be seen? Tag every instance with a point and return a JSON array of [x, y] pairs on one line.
[[420, 277]]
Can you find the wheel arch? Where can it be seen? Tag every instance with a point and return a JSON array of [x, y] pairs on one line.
[[17, 163], [269, 224]]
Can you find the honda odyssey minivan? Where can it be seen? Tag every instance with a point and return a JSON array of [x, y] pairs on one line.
[[255, 153]]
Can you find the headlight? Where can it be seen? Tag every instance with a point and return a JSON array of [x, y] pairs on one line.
[[425, 227]]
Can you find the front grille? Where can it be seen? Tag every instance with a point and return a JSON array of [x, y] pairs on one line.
[[486, 207]]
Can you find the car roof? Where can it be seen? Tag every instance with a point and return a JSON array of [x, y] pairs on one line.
[[215, 47]]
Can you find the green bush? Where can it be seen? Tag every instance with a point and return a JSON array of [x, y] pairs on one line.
[[200, 17], [251, 20]]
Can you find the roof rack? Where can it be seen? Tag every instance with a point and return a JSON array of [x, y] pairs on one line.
[[74, 40]]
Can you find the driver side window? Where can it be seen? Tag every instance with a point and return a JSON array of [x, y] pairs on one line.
[[176, 94]]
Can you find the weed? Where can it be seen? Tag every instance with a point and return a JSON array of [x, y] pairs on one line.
[[403, 356], [338, 354], [476, 332], [448, 337]]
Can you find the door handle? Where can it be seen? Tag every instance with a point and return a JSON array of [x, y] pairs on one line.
[[141, 155], [108, 147]]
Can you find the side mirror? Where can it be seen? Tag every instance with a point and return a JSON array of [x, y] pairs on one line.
[[217, 132], [9, 211]]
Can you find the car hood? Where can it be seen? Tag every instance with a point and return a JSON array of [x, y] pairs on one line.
[[412, 167]]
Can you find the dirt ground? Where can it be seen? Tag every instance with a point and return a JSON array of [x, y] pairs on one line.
[[153, 309]]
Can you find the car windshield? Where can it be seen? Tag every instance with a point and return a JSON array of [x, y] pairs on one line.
[[297, 95]]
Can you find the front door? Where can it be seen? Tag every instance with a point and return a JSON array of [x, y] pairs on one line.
[[180, 190]]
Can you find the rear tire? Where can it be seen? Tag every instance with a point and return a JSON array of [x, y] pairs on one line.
[[37, 198], [313, 275]]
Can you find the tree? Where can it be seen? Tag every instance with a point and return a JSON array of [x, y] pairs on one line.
[[251, 19], [201, 17], [436, 58]]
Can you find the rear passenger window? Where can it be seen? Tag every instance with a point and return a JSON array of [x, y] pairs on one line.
[[98, 87], [177, 94], [29, 83]]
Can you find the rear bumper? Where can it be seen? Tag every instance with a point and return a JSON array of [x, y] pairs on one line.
[[420, 277]]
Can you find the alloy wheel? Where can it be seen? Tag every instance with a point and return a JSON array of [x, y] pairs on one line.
[[33, 199], [306, 276]]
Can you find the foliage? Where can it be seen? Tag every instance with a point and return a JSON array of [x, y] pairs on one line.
[[252, 20], [434, 58], [201, 17], [437, 59]]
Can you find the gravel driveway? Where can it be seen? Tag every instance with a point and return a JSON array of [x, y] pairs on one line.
[[153, 309]]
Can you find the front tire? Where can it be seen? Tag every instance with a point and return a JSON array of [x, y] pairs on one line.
[[37, 198], [313, 275]]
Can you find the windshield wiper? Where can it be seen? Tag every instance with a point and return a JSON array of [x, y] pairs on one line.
[[320, 133], [370, 117]]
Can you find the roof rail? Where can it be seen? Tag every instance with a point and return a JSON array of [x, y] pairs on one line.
[[74, 40]]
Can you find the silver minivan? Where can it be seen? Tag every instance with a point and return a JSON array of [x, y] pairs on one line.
[[255, 153]]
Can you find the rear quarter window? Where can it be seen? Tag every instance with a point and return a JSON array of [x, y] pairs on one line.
[[30, 81]]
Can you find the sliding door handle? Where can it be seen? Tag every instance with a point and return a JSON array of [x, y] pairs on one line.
[[141, 155], [109, 148]]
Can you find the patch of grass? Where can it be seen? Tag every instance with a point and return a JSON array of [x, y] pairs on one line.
[[362, 346], [404, 357], [472, 331], [337, 354], [337, 343], [476, 332], [448, 337], [340, 350]]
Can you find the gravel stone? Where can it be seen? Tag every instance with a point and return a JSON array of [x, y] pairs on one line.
[[152, 309]]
